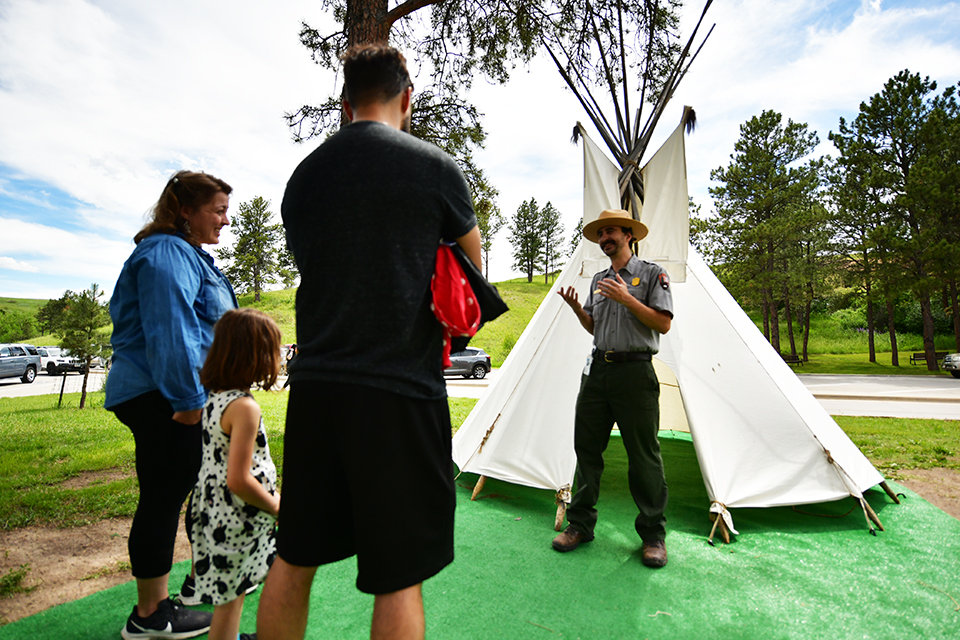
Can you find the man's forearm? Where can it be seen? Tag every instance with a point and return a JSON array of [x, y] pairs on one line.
[[659, 321]]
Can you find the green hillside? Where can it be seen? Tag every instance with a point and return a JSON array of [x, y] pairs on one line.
[[18, 320], [28, 305], [498, 337]]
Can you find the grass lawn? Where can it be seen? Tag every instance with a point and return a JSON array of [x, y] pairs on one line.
[[859, 364], [45, 450]]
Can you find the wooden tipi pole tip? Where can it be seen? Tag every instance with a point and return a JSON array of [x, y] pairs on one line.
[[478, 487]]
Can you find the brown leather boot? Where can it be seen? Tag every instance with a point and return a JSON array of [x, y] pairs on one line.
[[569, 540], [654, 553]]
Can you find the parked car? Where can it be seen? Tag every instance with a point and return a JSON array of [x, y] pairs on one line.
[[471, 362], [19, 360], [951, 363], [55, 361]]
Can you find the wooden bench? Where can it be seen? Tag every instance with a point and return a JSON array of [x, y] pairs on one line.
[[922, 356], [791, 359]]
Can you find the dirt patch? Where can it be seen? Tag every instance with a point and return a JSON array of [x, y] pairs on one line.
[[940, 487], [67, 564], [91, 478]]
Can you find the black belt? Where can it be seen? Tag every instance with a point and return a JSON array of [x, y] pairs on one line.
[[624, 356]]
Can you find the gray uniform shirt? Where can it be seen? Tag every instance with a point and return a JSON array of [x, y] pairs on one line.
[[614, 327]]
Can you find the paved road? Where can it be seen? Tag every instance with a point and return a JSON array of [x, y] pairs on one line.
[[887, 396], [841, 395], [44, 383]]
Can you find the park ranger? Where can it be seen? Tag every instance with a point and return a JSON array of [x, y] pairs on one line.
[[629, 306]]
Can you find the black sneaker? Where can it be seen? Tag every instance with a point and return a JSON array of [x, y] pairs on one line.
[[170, 620]]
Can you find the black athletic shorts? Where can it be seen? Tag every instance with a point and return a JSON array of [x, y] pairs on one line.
[[367, 472]]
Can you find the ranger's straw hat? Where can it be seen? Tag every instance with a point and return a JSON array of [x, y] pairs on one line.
[[615, 218]]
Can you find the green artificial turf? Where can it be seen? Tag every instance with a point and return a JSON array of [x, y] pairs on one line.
[[810, 572]]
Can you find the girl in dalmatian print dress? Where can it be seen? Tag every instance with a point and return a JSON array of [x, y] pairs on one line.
[[235, 502]]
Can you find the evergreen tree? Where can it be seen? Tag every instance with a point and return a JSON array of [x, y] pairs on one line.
[[527, 239], [761, 192], [81, 330], [259, 255], [551, 230], [490, 221], [50, 316], [897, 144], [575, 238]]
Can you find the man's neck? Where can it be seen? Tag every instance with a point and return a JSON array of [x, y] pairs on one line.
[[383, 113], [619, 260]]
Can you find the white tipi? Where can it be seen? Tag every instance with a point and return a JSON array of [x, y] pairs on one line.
[[760, 437]]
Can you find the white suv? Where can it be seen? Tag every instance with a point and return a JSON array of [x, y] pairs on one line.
[[55, 361]]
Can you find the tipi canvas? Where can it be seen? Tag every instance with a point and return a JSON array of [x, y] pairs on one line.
[[761, 438]]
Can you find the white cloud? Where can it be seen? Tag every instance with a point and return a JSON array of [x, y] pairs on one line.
[[104, 99], [61, 254], [16, 265]]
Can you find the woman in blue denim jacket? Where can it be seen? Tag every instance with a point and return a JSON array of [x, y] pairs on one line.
[[164, 306]]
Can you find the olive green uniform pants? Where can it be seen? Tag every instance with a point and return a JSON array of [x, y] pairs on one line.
[[627, 393]]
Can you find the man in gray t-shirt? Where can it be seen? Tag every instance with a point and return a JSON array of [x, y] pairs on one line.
[[629, 306]]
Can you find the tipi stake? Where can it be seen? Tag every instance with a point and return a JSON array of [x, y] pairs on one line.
[[713, 530], [561, 512], [718, 522], [478, 487]]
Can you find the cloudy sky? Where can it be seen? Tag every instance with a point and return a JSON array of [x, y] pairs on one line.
[[101, 101]]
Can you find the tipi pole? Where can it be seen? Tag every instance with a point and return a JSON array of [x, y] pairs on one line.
[[871, 513], [890, 492], [561, 514], [482, 480]]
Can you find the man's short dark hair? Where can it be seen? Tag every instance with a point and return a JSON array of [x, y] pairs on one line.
[[373, 73]]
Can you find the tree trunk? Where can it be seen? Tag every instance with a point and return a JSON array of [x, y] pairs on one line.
[[83, 388], [765, 308], [774, 319], [926, 312], [871, 329], [806, 330], [366, 22], [789, 312], [892, 330]]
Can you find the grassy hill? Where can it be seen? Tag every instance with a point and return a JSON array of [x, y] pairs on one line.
[[28, 305]]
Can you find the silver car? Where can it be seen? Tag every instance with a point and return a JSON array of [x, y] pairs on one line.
[[951, 363], [469, 363], [19, 361]]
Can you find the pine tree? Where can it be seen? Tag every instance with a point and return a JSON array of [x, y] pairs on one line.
[[259, 256], [551, 229], [81, 332], [527, 239]]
